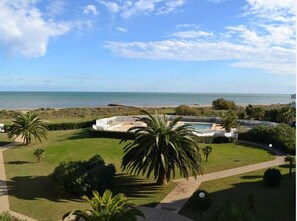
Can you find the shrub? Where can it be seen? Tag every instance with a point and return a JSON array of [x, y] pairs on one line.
[[70, 125], [223, 140], [272, 177], [281, 136], [5, 216], [222, 104], [82, 177], [185, 110]]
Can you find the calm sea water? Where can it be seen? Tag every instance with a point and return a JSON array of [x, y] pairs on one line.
[[22, 100]]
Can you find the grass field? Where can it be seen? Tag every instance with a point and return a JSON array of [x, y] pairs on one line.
[[272, 204], [31, 192]]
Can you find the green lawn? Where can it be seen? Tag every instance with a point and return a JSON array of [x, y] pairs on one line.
[[32, 194], [271, 204]]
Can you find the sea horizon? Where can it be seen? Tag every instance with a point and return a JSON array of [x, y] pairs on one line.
[[13, 100]]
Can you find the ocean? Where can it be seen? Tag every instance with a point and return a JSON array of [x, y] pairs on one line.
[[24, 100]]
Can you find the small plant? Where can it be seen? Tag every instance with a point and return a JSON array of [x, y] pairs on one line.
[[38, 153], [291, 160], [207, 151], [5, 216], [107, 208], [272, 177]]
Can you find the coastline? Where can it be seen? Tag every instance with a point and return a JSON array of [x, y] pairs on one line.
[[136, 107]]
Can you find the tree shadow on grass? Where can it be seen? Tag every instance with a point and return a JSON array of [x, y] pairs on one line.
[[40, 187], [88, 133], [135, 187], [18, 162], [3, 143]]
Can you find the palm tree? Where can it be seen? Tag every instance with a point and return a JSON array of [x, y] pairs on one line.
[[38, 154], [161, 147], [107, 208], [27, 125], [207, 151], [290, 159], [229, 121]]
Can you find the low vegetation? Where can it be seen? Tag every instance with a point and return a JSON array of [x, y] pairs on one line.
[[107, 208], [272, 177], [186, 110], [282, 136], [5, 216], [82, 177]]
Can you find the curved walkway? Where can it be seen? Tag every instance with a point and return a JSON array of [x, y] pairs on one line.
[[172, 203], [177, 198]]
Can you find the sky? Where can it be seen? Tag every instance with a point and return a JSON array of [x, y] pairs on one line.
[[210, 46]]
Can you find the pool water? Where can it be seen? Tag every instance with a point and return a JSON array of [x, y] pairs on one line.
[[200, 126]]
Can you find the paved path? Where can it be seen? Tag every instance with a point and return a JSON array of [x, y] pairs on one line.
[[176, 199]]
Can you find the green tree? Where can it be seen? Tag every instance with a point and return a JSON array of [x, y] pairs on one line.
[[291, 160], [258, 113], [107, 208], [286, 115], [207, 151], [229, 121], [38, 154], [27, 125], [161, 147], [223, 104]]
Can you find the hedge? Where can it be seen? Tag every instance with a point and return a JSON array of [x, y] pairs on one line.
[[282, 136], [70, 125]]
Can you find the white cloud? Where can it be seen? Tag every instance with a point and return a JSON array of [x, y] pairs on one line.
[[192, 34], [56, 7], [128, 8], [90, 9], [267, 42], [121, 29], [113, 7], [26, 32], [186, 26]]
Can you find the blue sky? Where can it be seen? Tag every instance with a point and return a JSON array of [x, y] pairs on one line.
[[240, 46]]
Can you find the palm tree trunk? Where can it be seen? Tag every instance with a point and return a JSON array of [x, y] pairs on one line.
[[161, 180]]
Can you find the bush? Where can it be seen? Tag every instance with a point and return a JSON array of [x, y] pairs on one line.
[[82, 177], [223, 140], [70, 125], [222, 104], [5, 216], [281, 136], [185, 110], [272, 177]]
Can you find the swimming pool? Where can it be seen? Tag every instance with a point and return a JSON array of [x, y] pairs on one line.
[[200, 126]]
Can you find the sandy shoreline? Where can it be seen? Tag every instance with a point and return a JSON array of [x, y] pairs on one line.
[[132, 106]]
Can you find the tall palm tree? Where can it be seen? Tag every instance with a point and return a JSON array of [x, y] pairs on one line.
[[107, 208], [229, 121], [160, 147], [28, 125]]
